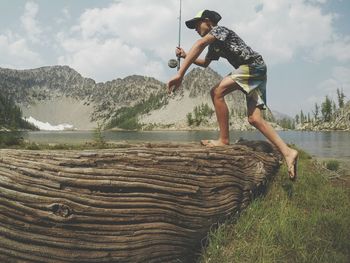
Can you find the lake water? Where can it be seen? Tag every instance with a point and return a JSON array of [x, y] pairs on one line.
[[335, 144]]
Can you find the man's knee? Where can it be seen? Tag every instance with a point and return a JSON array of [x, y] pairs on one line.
[[255, 120], [218, 92], [215, 92], [223, 88], [212, 92]]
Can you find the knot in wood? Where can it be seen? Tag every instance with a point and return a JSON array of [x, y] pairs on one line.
[[260, 168], [61, 210]]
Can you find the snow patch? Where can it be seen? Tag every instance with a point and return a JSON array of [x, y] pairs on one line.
[[45, 126]]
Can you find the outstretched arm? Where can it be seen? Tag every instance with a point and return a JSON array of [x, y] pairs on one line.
[[202, 62], [195, 51], [199, 61], [191, 57]]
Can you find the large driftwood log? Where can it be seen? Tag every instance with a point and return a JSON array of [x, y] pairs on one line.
[[143, 203]]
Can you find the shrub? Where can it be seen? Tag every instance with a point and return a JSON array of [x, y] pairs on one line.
[[190, 120], [33, 146], [332, 165], [10, 138], [200, 115], [99, 139]]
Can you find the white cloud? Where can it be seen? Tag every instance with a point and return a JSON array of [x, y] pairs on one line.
[[66, 13], [107, 59], [339, 79], [338, 47], [30, 23], [65, 16], [15, 52], [317, 1], [125, 38], [143, 24], [342, 75], [282, 28]]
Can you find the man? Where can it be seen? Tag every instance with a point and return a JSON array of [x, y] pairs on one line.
[[249, 77]]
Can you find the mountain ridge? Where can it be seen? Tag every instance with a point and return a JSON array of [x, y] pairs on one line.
[[68, 92]]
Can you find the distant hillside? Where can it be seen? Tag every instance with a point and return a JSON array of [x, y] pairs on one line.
[[59, 94], [339, 121], [280, 116], [44, 83], [56, 94]]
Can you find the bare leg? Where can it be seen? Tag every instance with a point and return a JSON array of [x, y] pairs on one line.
[[290, 155], [218, 93]]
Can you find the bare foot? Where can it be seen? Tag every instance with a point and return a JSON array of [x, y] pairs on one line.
[[213, 143], [292, 164]]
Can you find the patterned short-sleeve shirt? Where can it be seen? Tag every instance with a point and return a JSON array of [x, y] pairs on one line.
[[230, 46]]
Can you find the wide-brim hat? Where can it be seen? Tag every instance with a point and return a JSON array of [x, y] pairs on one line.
[[211, 15]]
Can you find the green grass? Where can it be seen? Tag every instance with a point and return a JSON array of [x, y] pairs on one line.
[[306, 221]]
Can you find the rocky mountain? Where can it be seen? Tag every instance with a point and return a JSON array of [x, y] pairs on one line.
[[56, 94], [59, 94], [29, 86]]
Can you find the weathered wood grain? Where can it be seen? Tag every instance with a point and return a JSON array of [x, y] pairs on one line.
[[142, 203]]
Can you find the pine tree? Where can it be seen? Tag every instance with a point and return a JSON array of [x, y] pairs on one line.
[[341, 98], [326, 109], [316, 112], [302, 117], [11, 114], [334, 107]]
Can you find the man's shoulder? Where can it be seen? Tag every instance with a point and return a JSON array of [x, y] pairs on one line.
[[220, 32], [220, 28]]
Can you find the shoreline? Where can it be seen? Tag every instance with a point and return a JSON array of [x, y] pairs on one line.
[[320, 145], [87, 144], [174, 130]]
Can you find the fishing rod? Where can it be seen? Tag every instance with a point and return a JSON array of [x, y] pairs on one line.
[[173, 63]]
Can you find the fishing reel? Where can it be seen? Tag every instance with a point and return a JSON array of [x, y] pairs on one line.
[[172, 63]]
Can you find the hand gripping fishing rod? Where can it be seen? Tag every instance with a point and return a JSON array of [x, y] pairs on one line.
[[173, 63]]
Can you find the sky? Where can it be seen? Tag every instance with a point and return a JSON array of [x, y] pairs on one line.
[[305, 43]]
